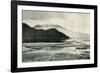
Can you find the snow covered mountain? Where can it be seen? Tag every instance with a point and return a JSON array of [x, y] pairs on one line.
[[72, 34]]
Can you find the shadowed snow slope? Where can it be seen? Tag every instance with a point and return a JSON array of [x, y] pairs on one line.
[[72, 34]]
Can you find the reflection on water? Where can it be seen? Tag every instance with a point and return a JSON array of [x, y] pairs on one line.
[[32, 52]]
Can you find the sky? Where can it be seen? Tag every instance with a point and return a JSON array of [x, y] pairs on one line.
[[79, 22]]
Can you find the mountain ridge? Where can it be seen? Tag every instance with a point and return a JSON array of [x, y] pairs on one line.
[[72, 34], [30, 34]]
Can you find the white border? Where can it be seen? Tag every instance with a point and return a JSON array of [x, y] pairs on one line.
[[53, 63]]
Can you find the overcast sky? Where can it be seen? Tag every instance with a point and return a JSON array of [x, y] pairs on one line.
[[79, 22]]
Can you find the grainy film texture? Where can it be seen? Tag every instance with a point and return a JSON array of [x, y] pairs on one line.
[[55, 36]]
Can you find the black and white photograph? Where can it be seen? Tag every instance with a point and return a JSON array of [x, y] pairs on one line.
[[55, 36]]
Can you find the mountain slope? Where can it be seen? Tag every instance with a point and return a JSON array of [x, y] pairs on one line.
[[40, 35], [72, 34]]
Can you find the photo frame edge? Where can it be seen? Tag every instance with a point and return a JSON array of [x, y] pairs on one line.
[[14, 68]]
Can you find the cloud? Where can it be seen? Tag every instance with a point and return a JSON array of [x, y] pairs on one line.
[[79, 22], [40, 15]]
